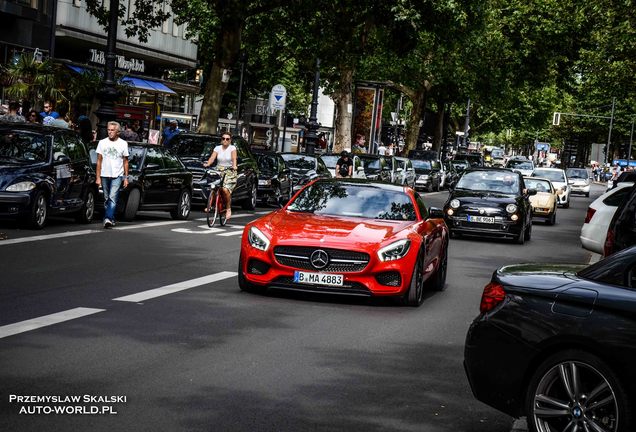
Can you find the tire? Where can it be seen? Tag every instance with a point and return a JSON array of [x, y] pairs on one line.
[[249, 203], [132, 205], [182, 212], [39, 211], [529, 231], [415, 294], [585, 372], [552, 219], [521, 238], [567, 203], [244, 285], [438, 281], [211, 208], [221, 209], [86, 213], [587, 194]]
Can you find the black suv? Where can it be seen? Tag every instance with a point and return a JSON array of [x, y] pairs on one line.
[[194, 149], [44, 171]]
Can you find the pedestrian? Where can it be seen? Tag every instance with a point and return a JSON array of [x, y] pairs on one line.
[[390, 150], [61, 121], [139, 130], [382, 149], [34, 117], [12, 116], [49, 111], [344, 166], [112, 169], [225, 155], [359, 145], [85, 129], [128, 134], [169, 132], [322, 142]]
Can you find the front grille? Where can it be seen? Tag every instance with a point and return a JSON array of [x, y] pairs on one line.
[[391, 278], [340, 261], [349, 288]]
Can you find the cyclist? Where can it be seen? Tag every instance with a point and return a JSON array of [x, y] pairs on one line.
[[225, 156]]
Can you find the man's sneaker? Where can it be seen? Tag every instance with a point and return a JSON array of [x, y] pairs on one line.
[[107, 223]]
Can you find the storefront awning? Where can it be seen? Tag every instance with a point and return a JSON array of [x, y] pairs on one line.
[[148, 85]]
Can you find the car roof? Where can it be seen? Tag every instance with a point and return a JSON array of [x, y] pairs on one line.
[[548, 169], [489, 169], [359, 182], [536, 178], [33, 127]]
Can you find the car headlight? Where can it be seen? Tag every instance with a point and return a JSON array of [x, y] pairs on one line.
[[395, 250], [423, 177], [455, 203], [257, 239], [24, 186], [511, 208], [264, 182]]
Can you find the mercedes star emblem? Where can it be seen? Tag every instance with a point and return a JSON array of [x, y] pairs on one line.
[[319, 259]]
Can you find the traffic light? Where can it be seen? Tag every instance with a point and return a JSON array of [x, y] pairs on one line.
[[198, 75]]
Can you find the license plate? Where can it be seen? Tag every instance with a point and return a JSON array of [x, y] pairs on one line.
[[318, 278], [481, 219]]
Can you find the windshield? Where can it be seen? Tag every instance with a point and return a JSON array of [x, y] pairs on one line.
[[300, 162], [330, 160], [371, 165], [460, 164], [364, 201], [196, 147], [266, 162], [552, 175], [539, 185], [490, 181], [520, 164], [425, 165], [577, 173], [19, 146], [497, 153]]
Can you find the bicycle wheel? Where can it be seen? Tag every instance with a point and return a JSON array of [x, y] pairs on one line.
[[212, 209], [220, 209]]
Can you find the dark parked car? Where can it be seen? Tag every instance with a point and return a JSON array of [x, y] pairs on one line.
[[305, 168], [157, 180], [460, 165], [44, 171], [490, 202], [429, 174], [557, 344], [194, 149], [376, 167], [475, 160], [274, 178], [451, 174], [622, 229]]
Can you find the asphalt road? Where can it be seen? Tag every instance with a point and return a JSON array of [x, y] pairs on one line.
[[151, 312]]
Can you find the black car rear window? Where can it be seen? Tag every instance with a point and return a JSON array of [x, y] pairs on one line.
[[353, 200], [22, 146]]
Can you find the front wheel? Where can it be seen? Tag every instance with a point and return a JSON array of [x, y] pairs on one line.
[[250, 202], [552, 219], [37, 217], [415, 295], [86, 213], [211, 210], [575, 390], [437, 282], [183, 206]]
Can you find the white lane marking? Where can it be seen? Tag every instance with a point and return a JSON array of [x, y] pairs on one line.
[[149, 224], [179, 286], [240, 215], [231, 233], [46, 320], [205, 228], [47, 237]]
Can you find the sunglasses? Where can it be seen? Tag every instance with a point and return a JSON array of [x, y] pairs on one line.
[[225, 139]]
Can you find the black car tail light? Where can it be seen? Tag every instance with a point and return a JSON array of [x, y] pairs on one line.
[[608, 247], [493, 295], [589, 215]]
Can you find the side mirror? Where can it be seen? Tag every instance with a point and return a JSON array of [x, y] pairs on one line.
[[152, 166], [435, 213], [532, 192], [360, 169]]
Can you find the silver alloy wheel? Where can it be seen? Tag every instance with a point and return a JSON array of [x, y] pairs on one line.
[[40, 210], [574, 396], [90, 206], [184, 205]]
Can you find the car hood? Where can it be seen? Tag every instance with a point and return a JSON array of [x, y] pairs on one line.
[[542, 199], [421, 171], [265, 174], [539, 276], [330, 231], [13, 172], [482, 198]]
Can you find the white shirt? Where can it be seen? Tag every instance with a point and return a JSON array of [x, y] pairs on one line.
[[113, 153], [224, 157], [382, 150]]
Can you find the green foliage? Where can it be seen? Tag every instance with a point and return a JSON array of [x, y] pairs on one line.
[[31, 81]]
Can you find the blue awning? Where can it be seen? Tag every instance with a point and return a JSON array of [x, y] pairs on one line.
[[148, 85], [76, 68]]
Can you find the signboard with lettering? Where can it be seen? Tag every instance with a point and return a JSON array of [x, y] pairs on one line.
[[128, 64]]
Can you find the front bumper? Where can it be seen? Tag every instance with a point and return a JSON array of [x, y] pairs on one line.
[[542, 211], [579, 189], [502, 227], [377, 278], [13, 204]]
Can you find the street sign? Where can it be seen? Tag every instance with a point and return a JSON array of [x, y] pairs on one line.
[[278, 97], [556, 118]]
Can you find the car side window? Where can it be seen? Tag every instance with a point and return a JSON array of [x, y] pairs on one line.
[[59, 148], [241, 150], [153, 156], [171, 161], [421, 206], [75, 148], [617, 197], [321, 166]]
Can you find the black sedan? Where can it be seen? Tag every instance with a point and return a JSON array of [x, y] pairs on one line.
[[44, 171], [557, 343], [157, 180], [274, 178], [305, 168], [490, 202]]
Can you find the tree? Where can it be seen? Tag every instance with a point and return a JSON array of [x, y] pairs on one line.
[[31, 81]]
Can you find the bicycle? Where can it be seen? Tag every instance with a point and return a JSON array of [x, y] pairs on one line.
[[216, 205]]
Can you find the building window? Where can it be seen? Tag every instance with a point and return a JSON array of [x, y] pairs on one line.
[[175, 28], [166, 23]]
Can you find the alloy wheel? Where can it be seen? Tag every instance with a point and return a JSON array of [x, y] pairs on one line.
[[184, 206], [40, 210]]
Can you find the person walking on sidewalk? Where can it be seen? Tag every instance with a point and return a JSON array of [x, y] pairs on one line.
[[112, 169]]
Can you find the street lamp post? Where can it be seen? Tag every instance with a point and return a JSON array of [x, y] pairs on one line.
[[108, 93], [243, 59], [312, 125]]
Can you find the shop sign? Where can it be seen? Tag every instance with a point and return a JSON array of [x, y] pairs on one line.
[[130, 64]]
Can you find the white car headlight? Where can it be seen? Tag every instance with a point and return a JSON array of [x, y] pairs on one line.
[[257, 239], [511, 208], [455, 203], [395, 250], [423, 177], [265, 182], [24, 186]]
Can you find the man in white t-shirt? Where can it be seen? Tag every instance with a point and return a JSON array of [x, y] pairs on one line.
[[112, 169], [382, 149]]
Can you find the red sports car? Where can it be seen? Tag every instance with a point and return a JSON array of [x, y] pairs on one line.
[[349, 237]]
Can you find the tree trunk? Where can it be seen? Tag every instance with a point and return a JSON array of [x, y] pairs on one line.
[[438, 135], [413, 131], [343, 97]]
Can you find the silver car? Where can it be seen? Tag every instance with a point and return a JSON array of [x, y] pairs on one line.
[[405, 172]]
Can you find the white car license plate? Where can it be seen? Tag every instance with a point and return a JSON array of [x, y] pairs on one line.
[[318, 278], [481, 219]]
